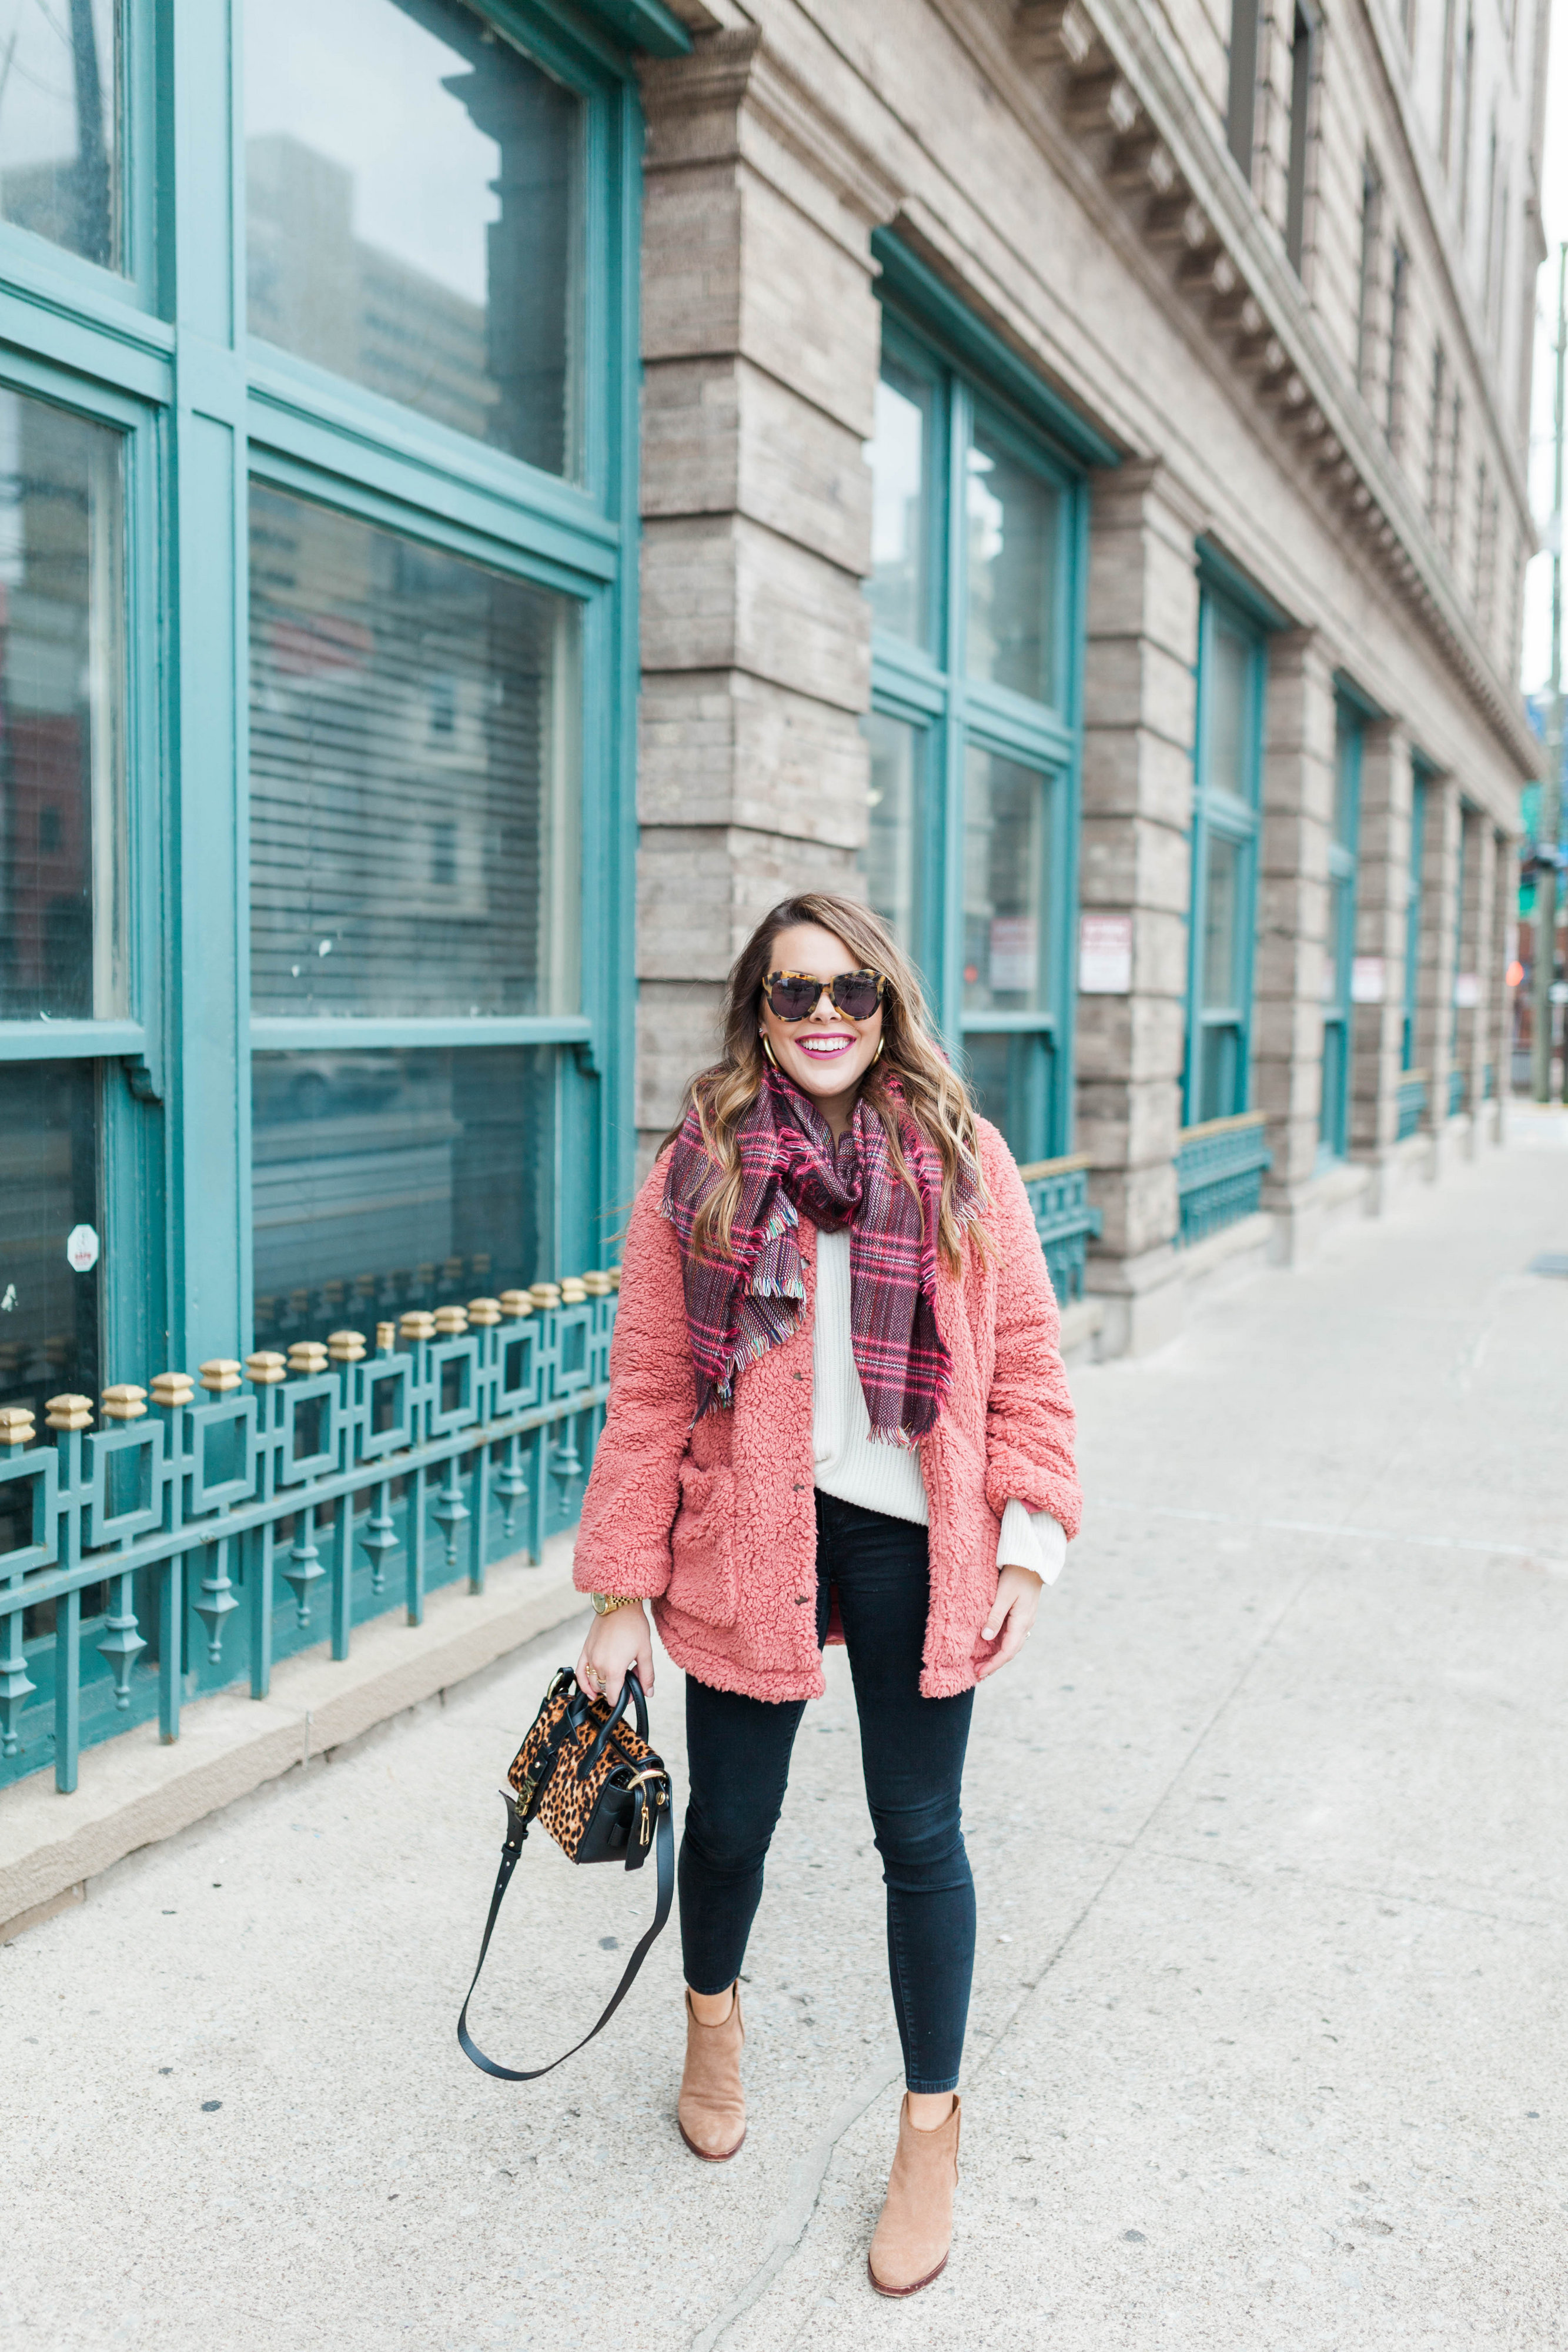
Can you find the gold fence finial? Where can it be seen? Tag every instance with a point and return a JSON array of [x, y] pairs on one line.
[[69, 1411], [220, 1374], [264, 1367], [125, 1401], [16, 1424], [173, 1388], [346, 1347]]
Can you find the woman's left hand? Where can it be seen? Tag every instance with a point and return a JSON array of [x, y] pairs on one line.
[[1012, 1614]]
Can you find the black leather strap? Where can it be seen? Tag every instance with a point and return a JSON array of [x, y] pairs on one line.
[[516, 1831]]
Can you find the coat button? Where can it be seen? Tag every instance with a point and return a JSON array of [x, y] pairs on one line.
[[801, 1598], [799, 1485]]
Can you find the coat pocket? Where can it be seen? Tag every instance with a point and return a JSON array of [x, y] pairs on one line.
[[702, 1546]]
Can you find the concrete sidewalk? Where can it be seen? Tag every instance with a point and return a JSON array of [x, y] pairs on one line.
[[1267, 2047]]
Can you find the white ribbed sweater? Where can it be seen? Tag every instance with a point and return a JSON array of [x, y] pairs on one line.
[[887, 1478]]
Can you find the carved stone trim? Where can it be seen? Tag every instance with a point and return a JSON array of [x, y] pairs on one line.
[[1099, 65], [735, 74]]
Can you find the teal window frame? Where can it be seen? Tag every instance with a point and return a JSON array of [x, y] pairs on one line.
[[932, 334], [1237, 819], [1344, 858], [1419, 786], [162, 353], [1457, 1076]]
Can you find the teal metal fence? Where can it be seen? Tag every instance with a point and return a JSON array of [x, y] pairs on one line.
[[1219, 1173], [1059, 1194], [141, 1564], [1456, 1091], [1411, 1103]]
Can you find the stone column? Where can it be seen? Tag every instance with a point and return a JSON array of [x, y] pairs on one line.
[[1382, 905], [1435, 1000], [1293, 920], [761, 335], [1137, 862]]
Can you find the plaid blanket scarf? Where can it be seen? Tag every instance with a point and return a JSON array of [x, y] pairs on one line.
[[740, 1305]]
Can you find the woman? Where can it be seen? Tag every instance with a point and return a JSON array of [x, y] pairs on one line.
[[837, 1412]]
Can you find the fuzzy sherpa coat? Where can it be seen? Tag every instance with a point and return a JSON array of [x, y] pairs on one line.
[[716, 1523]]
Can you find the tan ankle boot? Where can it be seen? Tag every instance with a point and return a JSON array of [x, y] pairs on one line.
[[711, 2114], [910, 2248]]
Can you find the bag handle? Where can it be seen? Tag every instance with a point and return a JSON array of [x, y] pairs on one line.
[[631, 1688], [516, 1831]]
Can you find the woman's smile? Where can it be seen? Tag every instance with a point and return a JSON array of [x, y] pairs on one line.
[[823, 1045]]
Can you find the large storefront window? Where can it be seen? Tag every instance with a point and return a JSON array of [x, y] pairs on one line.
[[314, 985], [1231, 679], [49, 1190], [383, 1180], [415, 776], [973, 736], [317, 509], [1338, 948], [62, 692], [413, 214], [59, 125]]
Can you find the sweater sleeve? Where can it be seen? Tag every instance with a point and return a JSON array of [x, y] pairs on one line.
[[629, 1509], [1032, 1539], [1030, 1421]]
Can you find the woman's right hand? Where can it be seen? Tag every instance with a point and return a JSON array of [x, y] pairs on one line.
[[623, 1638]]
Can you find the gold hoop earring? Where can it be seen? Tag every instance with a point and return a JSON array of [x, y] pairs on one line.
[[877, 1056], [766, 1046]]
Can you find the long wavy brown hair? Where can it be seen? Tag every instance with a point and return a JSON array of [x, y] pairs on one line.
[[934, 1098]]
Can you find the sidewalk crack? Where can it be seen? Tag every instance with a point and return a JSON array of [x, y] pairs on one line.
[[805, 2178]]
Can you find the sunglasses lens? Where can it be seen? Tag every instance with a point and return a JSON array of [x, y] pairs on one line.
[[855, 995], [793, 999]]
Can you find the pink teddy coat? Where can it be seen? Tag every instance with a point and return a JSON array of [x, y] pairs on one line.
[[716, 1522]]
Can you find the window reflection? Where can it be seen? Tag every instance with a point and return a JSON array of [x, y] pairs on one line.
[[900, 454], [60, 117], [62, 813], [49, 1184], [383, 1182], [414, 789], [412, 216], [1005, 885], [1227, 720], [891, 860], [1014, 521], [1219, 1030], [1221, 909], [1009, 1073]]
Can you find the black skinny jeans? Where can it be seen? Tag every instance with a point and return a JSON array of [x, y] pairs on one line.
[[912, 1752]]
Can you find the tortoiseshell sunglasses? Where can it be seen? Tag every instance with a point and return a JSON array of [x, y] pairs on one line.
[[795, 995]]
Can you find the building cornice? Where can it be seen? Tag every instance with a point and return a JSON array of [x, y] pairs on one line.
[[1124, 96], [1437, 199]]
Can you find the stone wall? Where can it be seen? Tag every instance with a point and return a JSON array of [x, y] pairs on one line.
[[1061, 164]]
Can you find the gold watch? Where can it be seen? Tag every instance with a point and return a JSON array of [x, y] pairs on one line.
[[605, 1603]]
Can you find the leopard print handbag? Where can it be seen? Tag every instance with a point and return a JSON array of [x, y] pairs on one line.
[[603, 1795]]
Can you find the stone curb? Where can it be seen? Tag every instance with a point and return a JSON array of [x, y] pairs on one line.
[[134, 1791]]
